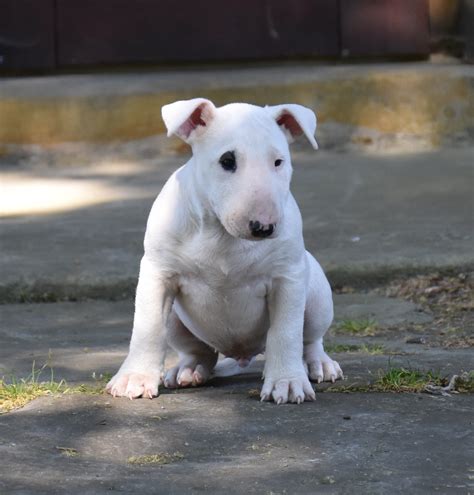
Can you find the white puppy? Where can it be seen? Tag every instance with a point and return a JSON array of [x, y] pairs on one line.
[[225, 268]]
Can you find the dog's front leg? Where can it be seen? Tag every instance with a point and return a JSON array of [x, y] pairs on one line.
[[285, 376], [140, 373]]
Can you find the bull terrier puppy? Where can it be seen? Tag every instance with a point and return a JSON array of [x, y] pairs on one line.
[[225, 267]]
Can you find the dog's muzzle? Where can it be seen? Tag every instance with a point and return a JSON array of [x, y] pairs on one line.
[[259, 230]]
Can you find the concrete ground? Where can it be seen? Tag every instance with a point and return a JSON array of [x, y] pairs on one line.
[[74, 232], [380, 206], [77, 229], [219, 438], [225, 442], [82, 338]]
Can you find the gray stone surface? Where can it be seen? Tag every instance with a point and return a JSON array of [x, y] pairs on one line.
[[232, 443], [384, 311], [76, 339], [365, 216], [225, 439]]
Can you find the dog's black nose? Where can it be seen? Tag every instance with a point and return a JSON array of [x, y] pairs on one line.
[[259, 230]]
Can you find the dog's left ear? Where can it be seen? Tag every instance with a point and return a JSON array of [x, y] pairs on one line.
[[295, 120], [188, 119]]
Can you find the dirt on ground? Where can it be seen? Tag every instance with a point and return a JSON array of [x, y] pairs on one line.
[[451, 301]]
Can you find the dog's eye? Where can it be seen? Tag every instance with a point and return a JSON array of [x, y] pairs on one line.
[[278, 162], [227, 161]]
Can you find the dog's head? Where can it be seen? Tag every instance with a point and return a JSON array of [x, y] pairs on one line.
[[242, 158]]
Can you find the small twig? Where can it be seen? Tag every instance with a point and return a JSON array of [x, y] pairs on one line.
[[445, 391]]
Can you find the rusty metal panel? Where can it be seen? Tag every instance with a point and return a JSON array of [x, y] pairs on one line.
[[27, 34], [384, 28], [94, 32]]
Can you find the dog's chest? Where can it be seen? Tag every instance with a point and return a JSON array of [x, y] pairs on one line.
[[222, 280], [222, 264], [222, 299]]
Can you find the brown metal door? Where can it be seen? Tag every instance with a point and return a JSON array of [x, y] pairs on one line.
[[384, 28], [94, 32], [46, 34], [27, 34]]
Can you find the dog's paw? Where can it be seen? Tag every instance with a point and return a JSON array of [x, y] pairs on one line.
[[133, 385], [283, 390], [187, 375], [322, 368]]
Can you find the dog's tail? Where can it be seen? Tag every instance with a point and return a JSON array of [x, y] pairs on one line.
[[231, 367]]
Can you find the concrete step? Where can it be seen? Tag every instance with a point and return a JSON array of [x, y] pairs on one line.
[[404, 104], [77, 231]]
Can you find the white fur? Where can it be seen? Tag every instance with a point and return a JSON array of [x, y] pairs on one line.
[[206, 284]]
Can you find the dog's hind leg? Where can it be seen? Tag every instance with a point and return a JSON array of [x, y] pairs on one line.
[[317, 320], [196, 359]]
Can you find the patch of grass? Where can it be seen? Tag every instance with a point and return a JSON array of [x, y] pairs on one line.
[[412, 381], [42, 297], [465, 383], [364, 327], [158, 418], [154, 459], [85, 388], [103, 377], [50, 293], [404, 380], [253, 393], [364, 348], [16, 393], [68, 451]]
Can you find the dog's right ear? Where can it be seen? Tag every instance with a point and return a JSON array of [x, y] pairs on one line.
[[188, 118]]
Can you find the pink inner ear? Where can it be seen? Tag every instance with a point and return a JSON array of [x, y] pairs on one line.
[[287, 120], [194, 120]]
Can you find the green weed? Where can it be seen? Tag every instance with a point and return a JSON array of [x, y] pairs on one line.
[[404, 380], [16, 393], [364, 327], [364, 348], [161, 458], [414, 381]]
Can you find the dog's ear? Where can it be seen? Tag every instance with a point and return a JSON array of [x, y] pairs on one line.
[[188, 118], [295, 120]]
